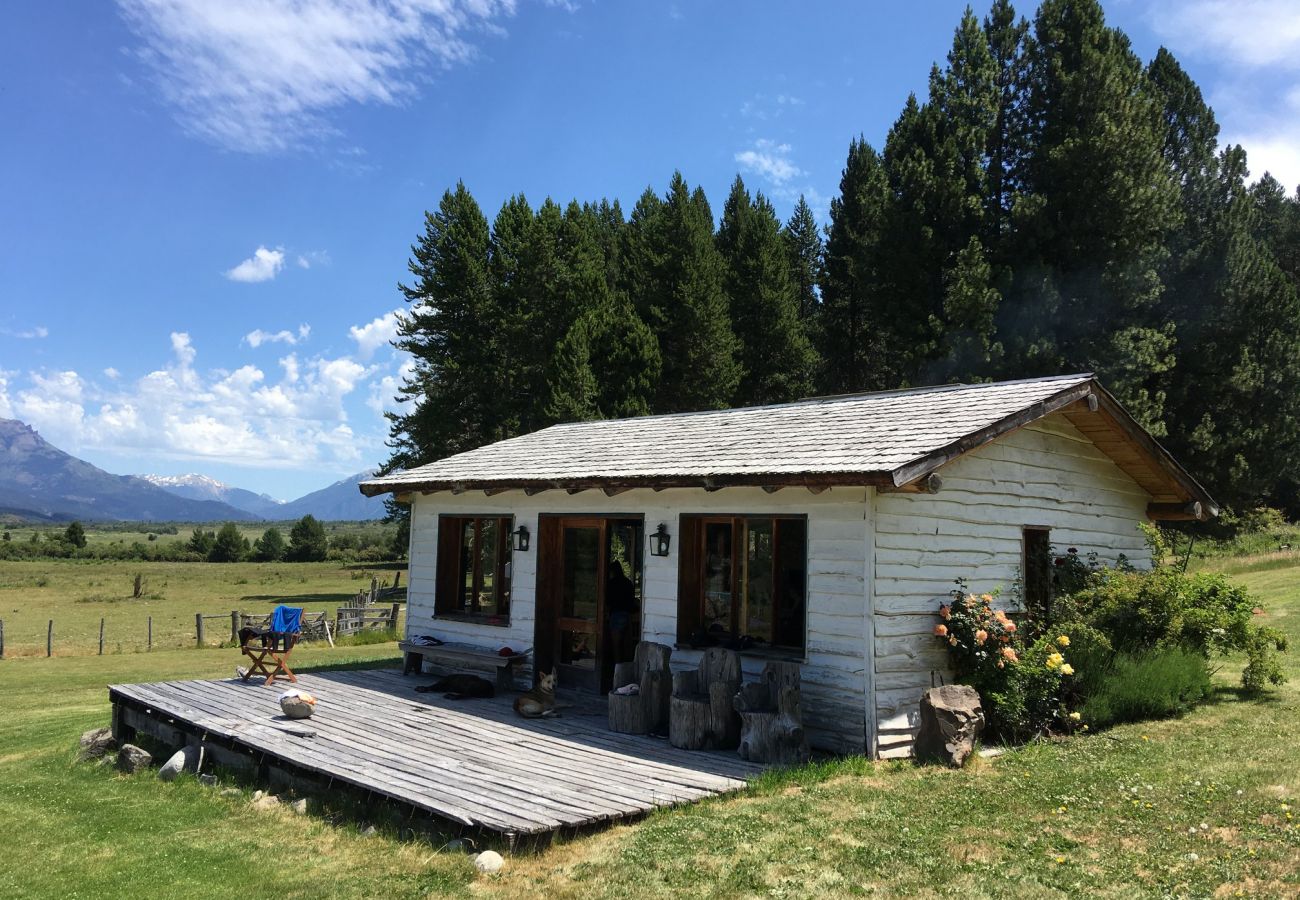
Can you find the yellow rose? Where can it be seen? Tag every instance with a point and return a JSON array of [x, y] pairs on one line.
[[1074, 717], [1063, 641], [1067, 669]]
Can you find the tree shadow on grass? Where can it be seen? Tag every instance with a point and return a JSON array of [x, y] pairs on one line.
[[1224, 693]]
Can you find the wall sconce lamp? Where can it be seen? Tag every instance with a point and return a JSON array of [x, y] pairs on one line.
[[520, 536], [660, 541]]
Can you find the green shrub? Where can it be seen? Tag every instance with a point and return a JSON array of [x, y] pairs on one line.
[[1204, 614], [1152, 685]]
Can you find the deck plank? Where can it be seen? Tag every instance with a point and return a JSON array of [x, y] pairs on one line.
[[472, 762]]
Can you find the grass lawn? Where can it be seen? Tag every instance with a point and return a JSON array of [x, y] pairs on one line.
[[1191, 807], [76, 593]]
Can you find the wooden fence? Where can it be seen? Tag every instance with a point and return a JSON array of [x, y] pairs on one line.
[[354, 619], [315, 625], [49, 636]]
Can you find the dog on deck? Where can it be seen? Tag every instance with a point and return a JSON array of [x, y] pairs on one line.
[[540, 701], [460, 687]]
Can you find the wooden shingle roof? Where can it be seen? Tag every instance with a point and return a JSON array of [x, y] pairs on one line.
[[888, 439]]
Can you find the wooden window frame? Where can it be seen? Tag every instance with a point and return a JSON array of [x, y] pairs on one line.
[[448, 593], [692, 528]]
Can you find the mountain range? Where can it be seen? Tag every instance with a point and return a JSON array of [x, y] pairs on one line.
[[40, 481]]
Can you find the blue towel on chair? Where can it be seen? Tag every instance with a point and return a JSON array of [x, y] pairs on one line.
[[286, 620]]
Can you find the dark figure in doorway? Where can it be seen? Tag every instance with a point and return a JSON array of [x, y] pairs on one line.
[[620, 600]]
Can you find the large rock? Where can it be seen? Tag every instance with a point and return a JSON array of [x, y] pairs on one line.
[[186, 759], [489, 862], [951, 722], [131, 759], [97, 743]]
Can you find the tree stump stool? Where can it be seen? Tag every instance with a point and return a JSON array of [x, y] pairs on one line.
[[645, 712], [701, 715], [771, 729]]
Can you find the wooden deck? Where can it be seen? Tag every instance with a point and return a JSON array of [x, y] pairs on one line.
[[470, 762]]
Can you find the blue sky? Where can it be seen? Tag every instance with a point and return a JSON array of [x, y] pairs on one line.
[[206, 207]]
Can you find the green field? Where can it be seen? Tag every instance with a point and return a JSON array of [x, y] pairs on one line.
[[77, 593], [1200, 806]]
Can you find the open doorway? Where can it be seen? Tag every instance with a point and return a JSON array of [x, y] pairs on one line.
[[589, 597]]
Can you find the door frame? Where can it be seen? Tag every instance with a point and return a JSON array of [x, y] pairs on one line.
[[548, 623]]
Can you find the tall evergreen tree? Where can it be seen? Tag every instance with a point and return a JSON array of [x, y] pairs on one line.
[[804, 245], [1090, 234], [776, 358], [1235, 311], [674, 273], [451, 398], [851, 346]]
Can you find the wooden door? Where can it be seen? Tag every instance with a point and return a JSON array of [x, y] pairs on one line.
[[576, 635]]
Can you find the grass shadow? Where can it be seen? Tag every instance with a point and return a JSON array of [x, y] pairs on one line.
[[341, 598]]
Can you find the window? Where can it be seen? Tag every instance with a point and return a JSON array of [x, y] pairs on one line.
[[474, 568], [742, 581], [1037, 569]]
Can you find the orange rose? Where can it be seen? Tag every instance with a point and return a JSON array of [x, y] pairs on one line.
[[1009, 654], [941, 630], [945, 612], [1010, 627], [981, 636], [952, 642]]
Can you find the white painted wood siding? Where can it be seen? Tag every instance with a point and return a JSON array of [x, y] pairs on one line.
[[834, 701], [1046, 474]]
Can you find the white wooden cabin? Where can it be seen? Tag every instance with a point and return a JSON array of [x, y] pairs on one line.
[[826, 531]]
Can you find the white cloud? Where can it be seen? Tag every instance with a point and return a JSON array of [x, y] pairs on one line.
[[375, 333], [112, 373], [258, 337], [764, 107], [383, 391], [263, 265], [312, 258], [26, 334], [259, 75], [1257, 44], [1250, 33], [770, 160], [240, 416]]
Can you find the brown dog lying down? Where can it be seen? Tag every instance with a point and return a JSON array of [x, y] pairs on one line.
[[460, 687], [540, 701]]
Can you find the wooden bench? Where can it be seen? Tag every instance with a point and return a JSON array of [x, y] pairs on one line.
[[456, 655]]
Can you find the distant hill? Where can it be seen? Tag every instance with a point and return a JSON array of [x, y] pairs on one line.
[[40, 479], [341, 501], [202, 487]]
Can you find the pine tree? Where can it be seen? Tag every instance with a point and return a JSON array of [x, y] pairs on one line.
[[1089, 236], [804, 245], [75, 534], [776, 358], [851, 346], [673, 272], [307, 540], [1235, 311], [229, 545], [453, 396], [270, 546]]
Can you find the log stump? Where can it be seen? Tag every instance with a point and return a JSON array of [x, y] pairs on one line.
[[771, 718], [701, 715], [645, 712]]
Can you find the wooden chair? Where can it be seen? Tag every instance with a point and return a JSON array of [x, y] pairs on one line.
[[701, 715], [771, 729], [645, 712], [268, 651]]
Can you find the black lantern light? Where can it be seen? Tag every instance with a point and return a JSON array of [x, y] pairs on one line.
[[660, 540], [520, 535]]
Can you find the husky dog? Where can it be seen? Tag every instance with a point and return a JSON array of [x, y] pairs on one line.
[[460, 687], [540, 701]]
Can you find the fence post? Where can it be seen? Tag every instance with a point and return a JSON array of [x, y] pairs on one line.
[[397, 580], [234, 626], [49, 639], [2, 638], [374, 589], [198, 629], [392, 619], [101, 636], [149, 645]]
